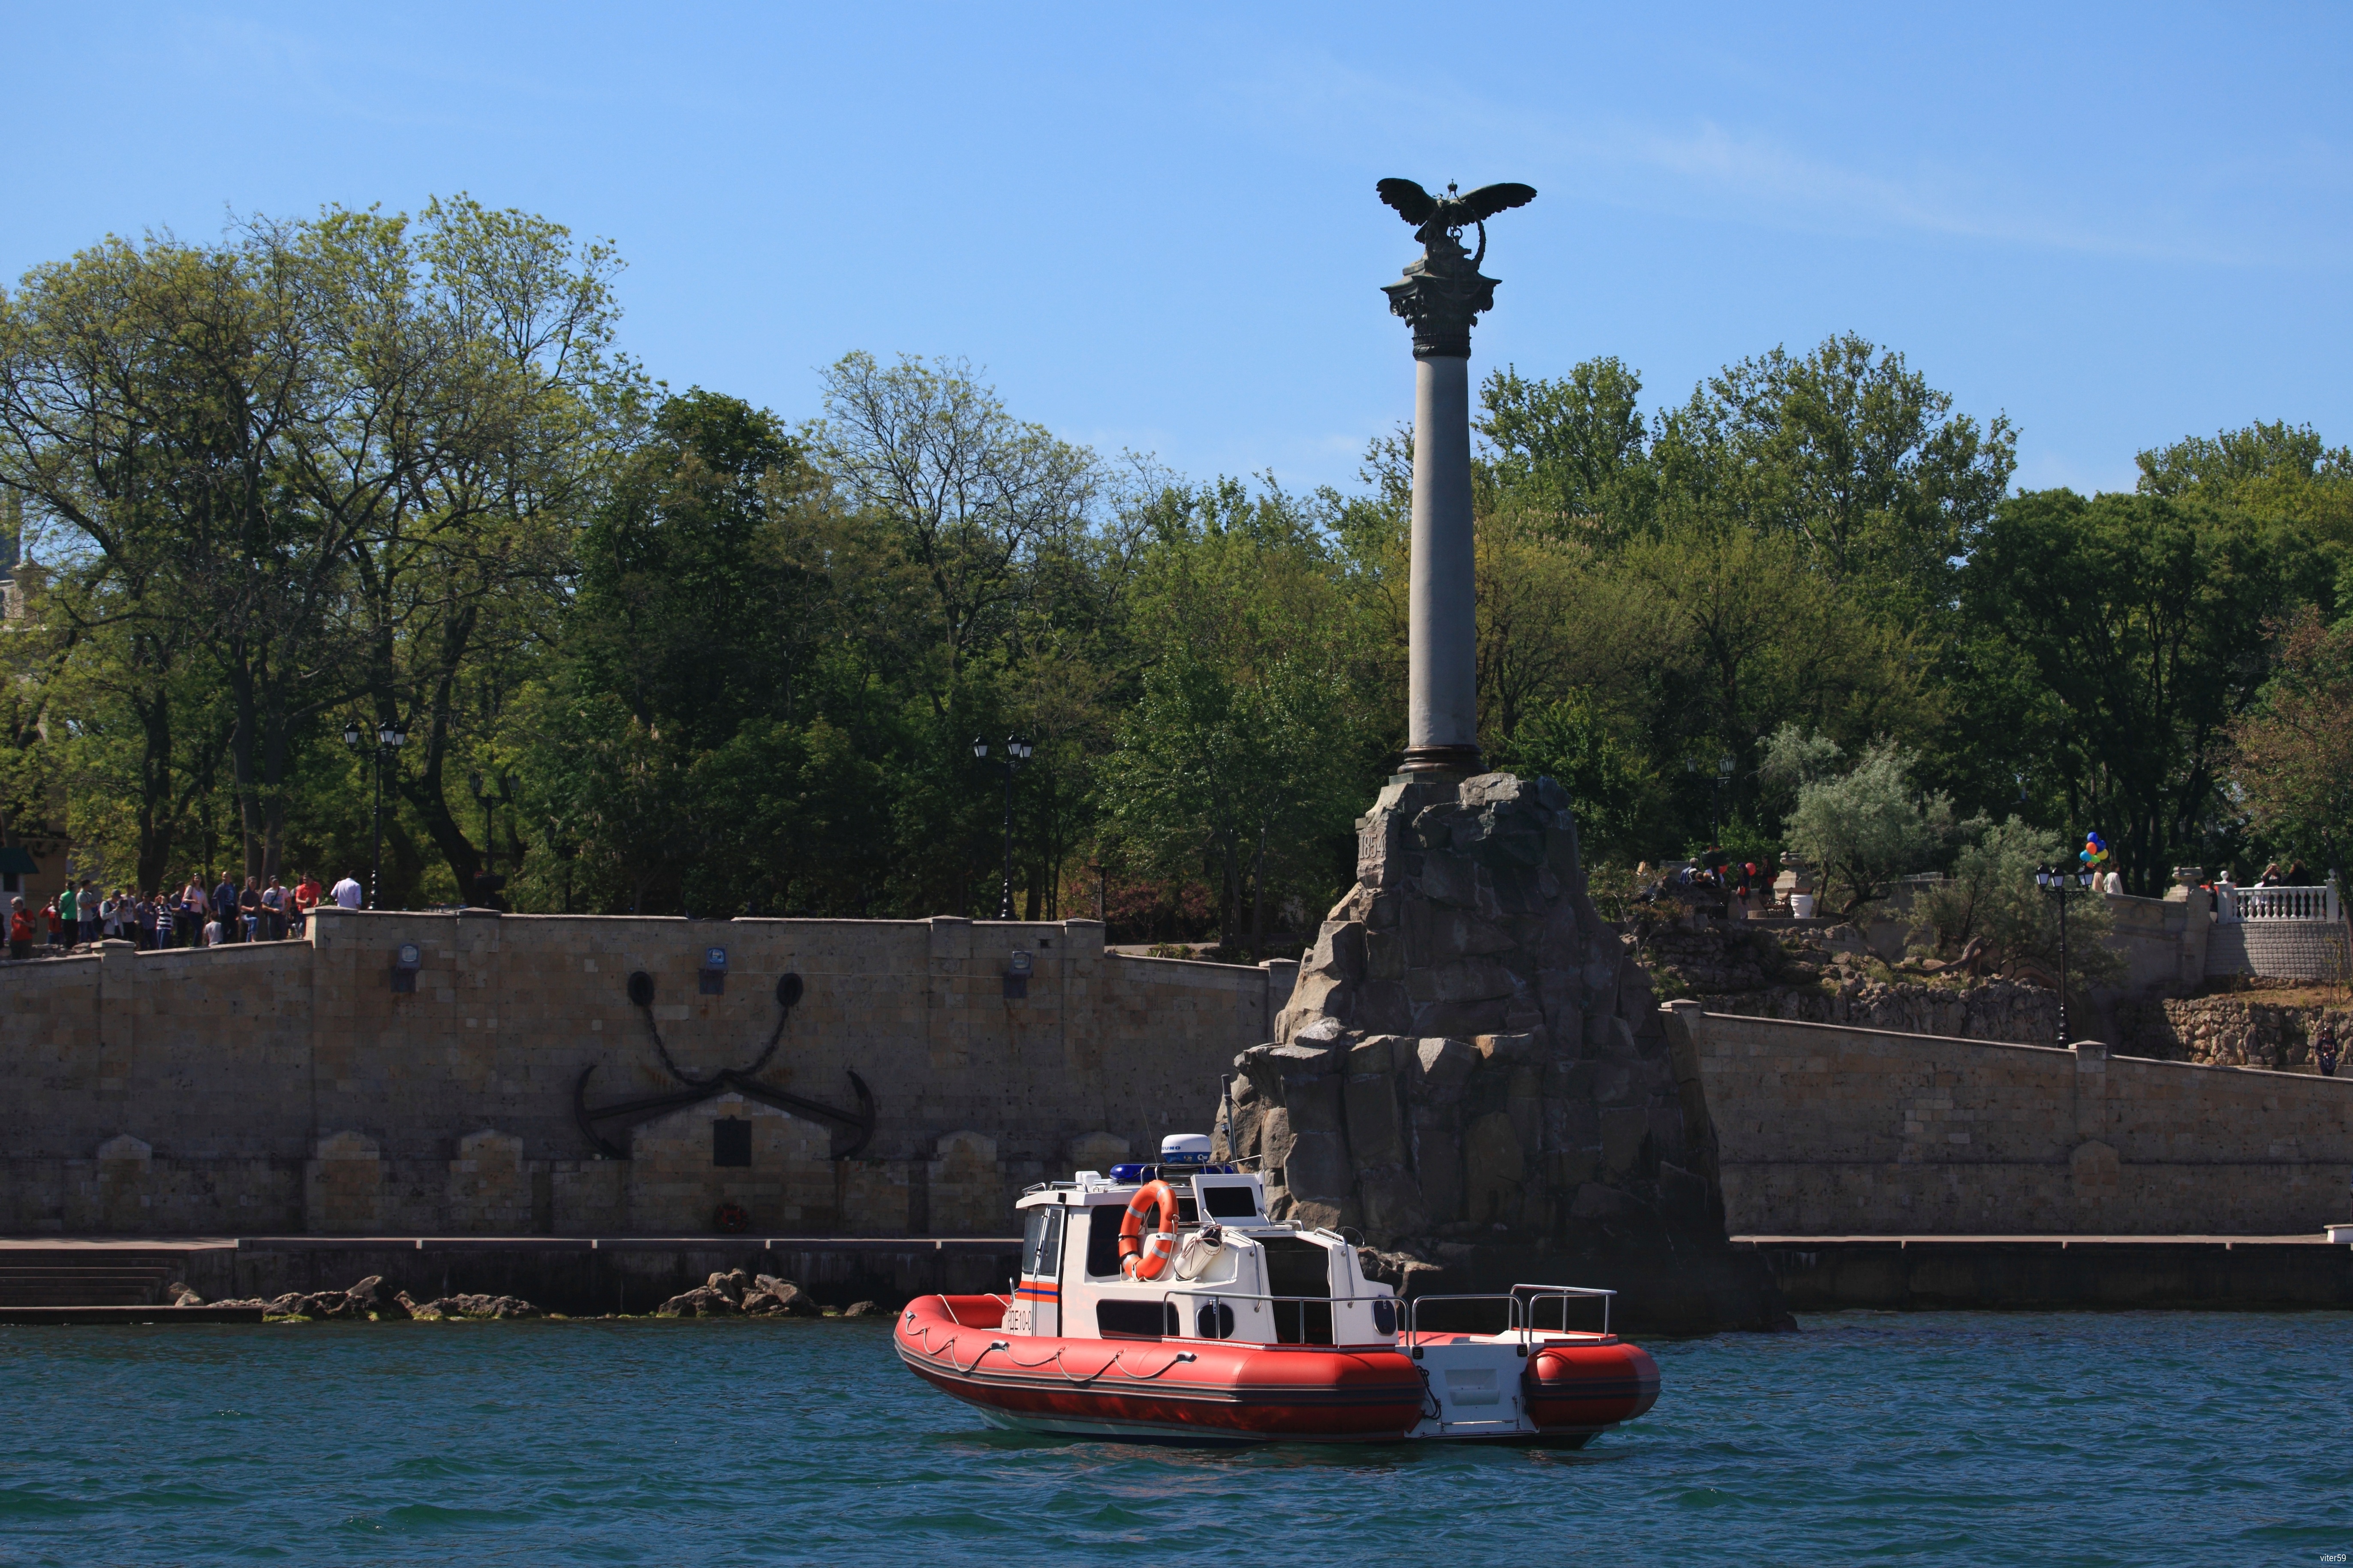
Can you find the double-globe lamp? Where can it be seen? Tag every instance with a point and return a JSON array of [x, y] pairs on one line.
[[390, 736], [1017, 752], [2059, 881]]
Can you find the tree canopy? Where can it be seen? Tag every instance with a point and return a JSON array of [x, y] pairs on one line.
[[674, 652]]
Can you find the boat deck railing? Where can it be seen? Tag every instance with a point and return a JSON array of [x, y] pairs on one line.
[[1270, 1309], [1520, 1304]]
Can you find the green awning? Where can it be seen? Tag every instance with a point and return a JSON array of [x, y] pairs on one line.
[[15, 860]]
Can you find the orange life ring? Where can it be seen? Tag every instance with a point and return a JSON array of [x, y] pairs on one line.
[[1143, 1257]]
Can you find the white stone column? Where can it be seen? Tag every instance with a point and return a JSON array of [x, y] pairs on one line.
[[1442, 699]]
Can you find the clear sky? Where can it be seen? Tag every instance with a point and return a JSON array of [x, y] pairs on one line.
[[1155, 228]]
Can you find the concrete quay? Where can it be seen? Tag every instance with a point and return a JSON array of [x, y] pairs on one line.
[[2049, 1273], [578, 1275]]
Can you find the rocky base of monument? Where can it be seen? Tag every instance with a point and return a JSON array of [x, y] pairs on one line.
[[2237, 1031], [1471, 1073]]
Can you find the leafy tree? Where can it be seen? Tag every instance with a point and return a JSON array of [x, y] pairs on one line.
[[1991, 900], [1619, 802], [2140, 620], [1571, 454], [1868, 827], [2292, 754]]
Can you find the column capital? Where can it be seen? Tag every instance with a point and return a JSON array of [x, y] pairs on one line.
[[1441, 295]]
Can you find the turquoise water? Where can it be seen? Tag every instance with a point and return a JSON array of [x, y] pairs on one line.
[[1934, 1438]]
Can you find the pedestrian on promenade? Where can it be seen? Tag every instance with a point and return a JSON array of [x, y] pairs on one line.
[[306, 899], [213, 931], [224, 911], [56, 924], [2271, 877], [347, 893], [2323, 1047], [249, 908], [88, 905], [150, 921], [69, 915], [191, 914], [20, 929], [273, 912]]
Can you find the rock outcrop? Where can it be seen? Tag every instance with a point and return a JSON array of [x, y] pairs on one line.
[[737, 1293], [2239, 1031], [1471, 1062]]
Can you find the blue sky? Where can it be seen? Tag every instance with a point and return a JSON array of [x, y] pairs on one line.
[[1155, 229]]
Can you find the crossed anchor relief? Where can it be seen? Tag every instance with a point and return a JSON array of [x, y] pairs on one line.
[[859, 1125]]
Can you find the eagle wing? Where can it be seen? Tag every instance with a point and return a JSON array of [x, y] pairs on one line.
[[1488, 200], [1413, 204]]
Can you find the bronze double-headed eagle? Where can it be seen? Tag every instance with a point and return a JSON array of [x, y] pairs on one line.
[[1441, 217]]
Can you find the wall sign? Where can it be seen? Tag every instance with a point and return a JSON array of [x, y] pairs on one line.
[[405, 962], [714, 972]]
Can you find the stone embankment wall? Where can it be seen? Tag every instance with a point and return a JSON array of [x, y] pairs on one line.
[[290, 1088], [1829, 1130]]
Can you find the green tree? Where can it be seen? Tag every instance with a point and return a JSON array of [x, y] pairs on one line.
[[1866, 827], [2291, 758], [2140, 622]]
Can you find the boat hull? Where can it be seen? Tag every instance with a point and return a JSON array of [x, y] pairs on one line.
[[1190, 1392], [1219, 1393]]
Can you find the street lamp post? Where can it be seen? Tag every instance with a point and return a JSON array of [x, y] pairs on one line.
[[390, 736], [488, 802], [2058, 881], [1017, 752], [1723, 766]]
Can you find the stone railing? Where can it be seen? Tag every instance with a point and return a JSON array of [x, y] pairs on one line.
[[2319, 904]]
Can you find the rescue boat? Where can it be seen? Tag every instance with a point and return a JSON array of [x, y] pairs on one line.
[[1159, 1303]]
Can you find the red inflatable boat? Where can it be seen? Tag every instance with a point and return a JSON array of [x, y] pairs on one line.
[[1216, 1325]]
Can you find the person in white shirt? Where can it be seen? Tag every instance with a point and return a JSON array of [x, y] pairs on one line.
[[347, 893], [212, 933]]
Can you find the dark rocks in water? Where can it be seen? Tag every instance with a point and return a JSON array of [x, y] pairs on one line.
[[860, 1310], [1470, 1056], [178, 1293], [369, 1298], [702, 1301], [467, 1305], [771, 1297]]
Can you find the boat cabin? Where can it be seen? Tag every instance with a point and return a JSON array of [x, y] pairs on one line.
[[1235, 1274]]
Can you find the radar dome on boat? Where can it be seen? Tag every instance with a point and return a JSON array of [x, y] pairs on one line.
[[1184, 1149]]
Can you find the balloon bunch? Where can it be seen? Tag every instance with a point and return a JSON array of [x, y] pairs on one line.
[[2094, 851]]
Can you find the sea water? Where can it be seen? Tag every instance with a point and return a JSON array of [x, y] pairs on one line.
[[1934, 1438]]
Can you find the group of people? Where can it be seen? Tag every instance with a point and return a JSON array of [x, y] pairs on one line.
[[256, 912]]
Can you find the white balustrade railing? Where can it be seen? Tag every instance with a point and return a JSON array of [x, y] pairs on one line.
[[2318, 903]]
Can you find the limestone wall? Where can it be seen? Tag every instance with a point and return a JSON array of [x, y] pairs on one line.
[[288, 1087], [1825, 1130]]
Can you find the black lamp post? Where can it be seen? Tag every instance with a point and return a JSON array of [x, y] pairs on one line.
[[2059, 881], [390, 736], [487, 801], [1723, 766], [1017, 752]]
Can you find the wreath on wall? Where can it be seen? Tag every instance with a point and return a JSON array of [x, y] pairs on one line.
[[732, 1219]]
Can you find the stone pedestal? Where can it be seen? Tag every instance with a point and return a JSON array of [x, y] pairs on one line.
[[1471, 1055]]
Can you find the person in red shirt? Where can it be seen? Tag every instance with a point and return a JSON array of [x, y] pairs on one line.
[[57, 924], [306, 899], [20, 929]]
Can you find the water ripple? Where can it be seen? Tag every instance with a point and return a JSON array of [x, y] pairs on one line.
[[2076, 1438]]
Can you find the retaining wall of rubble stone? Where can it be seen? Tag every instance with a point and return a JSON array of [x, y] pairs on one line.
[[1824, 1129], [294, 1087]]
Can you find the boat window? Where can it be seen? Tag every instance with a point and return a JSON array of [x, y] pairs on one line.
[[1136, 1320], [1297, 1267], [1042, 1242], [1049, 1253], [1102, 1238], [1234, 1201]]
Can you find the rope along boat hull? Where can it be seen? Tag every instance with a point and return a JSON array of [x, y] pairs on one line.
[[1151, 1390]]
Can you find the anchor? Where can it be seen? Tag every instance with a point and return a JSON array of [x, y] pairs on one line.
[[859, 1122]]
